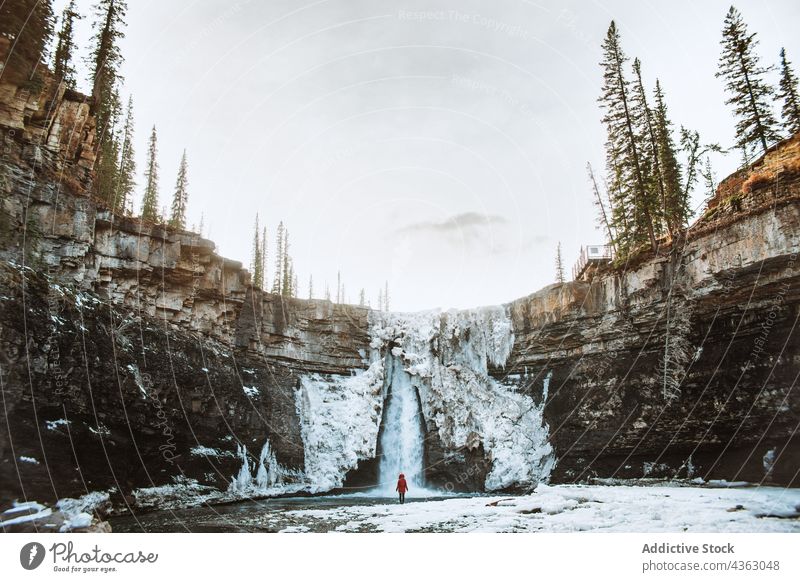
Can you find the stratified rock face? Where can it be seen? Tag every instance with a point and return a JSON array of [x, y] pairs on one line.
[[684, 364]]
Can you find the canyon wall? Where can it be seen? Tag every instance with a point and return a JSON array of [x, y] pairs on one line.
[[133, 356], [685, 363]]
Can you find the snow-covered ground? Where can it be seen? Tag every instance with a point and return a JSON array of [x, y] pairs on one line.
[[569, 508], [67, 515]]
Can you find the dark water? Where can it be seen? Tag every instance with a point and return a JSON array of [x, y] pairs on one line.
[[265, 515]]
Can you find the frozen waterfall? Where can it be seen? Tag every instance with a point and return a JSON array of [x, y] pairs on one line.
[[401, 441]]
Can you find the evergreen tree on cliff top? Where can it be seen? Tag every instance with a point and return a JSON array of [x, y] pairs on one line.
[[106, 179], [559, 264], [256, 259], [264, 253], [279, 263], [676, 208], [287, 270], [749, 93], [787, 92], [632, 198], [126, 180], [644, 125], [150, 199], [28, 26], [180, 198], [106, 59], [65, 47]]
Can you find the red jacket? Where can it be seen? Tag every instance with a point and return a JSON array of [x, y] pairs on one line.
[[402, 487]]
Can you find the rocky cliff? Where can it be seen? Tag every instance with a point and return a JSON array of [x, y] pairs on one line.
[[132, 356], [684, 363]]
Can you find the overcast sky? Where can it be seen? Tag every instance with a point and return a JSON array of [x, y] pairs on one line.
[[439, 145]]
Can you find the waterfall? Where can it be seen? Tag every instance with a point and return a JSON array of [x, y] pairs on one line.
[[401, 441]]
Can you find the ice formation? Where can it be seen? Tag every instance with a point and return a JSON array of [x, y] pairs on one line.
[[447, 355], [268, 475], [339, 419], [401, 443], [437, 362]]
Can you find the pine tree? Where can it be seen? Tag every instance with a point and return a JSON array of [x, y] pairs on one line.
[[106, 179], [380, 299], [338, 286], [180, 198], [288, 274], [601, 204], [264, 250], [65, 47], [709, 179], [676, 209], [311, 287], [559, 264], [386, 296], [327, 292], [362, 298], [126, 171], [150, 199], [694, 152], [787, 92], [278, 279], [106, 58], [749, 93], [295, 285], [648, 145], [28, 25], [632, 197], [256, 259]]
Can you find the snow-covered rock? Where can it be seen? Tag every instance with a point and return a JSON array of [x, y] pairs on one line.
[[339, 422], [448, 355]]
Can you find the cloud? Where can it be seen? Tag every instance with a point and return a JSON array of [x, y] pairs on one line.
[[458, 223]]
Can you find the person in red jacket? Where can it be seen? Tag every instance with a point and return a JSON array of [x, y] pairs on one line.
[[402, 487]]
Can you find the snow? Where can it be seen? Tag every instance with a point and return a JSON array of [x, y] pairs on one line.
[[76, 521], [203, 451], [54, 424], [101, 430], [570, 508], [339, 421], [77, 513], [448, 355], [251, 391], [30, 460], [183, 492], [25, 506], [137, 379], [46, 512], [443, 358]]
